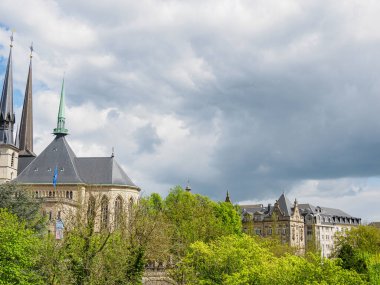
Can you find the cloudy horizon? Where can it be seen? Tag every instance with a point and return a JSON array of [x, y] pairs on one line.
[[254, 97]]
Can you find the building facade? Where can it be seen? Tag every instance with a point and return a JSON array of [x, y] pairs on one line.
[[302, 226], [64, 182], [283, 220]]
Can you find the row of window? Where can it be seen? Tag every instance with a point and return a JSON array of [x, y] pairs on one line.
[[53, 194], [104, 211]]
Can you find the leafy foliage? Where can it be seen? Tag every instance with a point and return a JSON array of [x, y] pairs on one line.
[[194, 217], [18, 251], [359, 250], [19, 202], [242, 260]]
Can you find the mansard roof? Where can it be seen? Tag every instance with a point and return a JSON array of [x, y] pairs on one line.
[[324, 211], [71, 169]]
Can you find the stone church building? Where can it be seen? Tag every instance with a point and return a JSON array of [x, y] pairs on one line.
[[63, 181]]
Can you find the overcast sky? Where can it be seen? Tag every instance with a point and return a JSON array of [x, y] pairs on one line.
[[254, 97]]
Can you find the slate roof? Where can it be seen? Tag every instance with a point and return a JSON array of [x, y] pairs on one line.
[[285, 205], [72, 169], [102, 170], [23, 162], [324, 210]]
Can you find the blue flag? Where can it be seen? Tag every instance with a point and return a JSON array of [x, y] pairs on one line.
[[55, 176]]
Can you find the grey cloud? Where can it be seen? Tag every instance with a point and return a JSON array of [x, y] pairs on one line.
[[296, 96], [146, 139]]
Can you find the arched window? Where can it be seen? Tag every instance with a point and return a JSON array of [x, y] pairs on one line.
[[118, 211], [71, 195], [90, 210], [130, 206], [104, 213]]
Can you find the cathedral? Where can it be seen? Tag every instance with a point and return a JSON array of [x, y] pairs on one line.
[[63, 181]]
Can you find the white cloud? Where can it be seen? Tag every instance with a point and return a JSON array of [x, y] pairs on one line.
[[250, 96]]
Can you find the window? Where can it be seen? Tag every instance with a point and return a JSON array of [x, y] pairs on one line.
[[269, 231], [13, 159], [130, 206], [90, 210], [71, 195], [258, 231], [104, 215], [50, 215], [118, 211]]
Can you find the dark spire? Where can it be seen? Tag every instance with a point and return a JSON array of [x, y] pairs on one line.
[[227, 198], [7, 116], [25, 139], [60, 129]]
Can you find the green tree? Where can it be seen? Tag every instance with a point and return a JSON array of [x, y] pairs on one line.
[[359, 249], [241, 260], [193, 217], [19, 249], [89, 256], [18, 201]]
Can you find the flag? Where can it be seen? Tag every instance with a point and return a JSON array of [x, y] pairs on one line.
[[55, 176]]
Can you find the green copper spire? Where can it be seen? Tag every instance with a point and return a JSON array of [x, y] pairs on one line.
[[60, 129]]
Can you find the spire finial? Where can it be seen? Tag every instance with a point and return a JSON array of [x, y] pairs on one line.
[[11, 37], [60, 129], [31, 50]]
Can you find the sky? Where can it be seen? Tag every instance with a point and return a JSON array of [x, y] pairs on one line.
[[258, 98]]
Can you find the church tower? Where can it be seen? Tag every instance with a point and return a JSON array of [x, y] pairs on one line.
[[8, 149], [24, 141]]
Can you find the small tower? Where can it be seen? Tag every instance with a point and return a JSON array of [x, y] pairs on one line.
[[188, 188], [60, 130], [227, 200], [8, 149]]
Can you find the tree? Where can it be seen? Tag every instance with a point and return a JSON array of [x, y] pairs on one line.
[[88, 255], [359, 249], [19, 201], [19, 249], [240, 259], [193, 217]]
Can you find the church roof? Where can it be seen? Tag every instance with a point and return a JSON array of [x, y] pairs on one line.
[[102, 170], [57, 154], [72, 169]]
